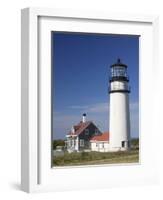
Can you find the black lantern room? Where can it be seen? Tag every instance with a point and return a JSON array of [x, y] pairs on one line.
[[119, 73]]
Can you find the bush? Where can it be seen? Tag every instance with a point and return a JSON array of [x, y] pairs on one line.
[[58, 143], [135, 143]]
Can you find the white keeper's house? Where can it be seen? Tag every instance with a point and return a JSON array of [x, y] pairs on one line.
[[87, 136]]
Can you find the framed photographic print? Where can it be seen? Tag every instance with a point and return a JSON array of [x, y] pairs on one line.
[[88, 84], [87, 95]]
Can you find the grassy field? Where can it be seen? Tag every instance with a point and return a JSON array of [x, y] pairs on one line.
[[96, 158]]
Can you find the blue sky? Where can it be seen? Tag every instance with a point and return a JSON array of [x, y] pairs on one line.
[[81, 69]]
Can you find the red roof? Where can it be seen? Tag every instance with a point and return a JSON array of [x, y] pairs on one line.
[[102, 137], [79, 128]]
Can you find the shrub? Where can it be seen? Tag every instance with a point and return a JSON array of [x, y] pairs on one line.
[[58, 143]]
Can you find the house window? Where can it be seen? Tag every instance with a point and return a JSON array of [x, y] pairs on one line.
[[96, 131], [72, 142], [68, 143], [82, 143], [86, 131]]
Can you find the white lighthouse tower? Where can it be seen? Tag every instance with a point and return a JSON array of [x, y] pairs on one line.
[[119, 108]]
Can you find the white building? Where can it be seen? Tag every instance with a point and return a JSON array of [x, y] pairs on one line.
[[119, 108], [100, 142]]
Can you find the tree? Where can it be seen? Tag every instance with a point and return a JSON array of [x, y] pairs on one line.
[[135, 143], [58, 143]]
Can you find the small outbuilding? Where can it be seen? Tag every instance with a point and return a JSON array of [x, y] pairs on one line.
[[100, 142]]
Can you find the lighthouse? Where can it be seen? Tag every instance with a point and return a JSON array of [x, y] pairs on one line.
[[119, 125]]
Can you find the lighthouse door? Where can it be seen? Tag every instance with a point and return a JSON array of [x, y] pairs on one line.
[[125, 144]]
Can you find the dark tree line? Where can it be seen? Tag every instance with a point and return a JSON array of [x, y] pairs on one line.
[[135, 143], [58, 143]]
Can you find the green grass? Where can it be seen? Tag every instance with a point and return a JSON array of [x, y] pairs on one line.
[[95, 158]]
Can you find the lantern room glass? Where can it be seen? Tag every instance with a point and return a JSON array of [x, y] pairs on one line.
[[119, 71]]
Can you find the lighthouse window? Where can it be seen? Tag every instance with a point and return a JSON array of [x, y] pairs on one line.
[[123, 143]]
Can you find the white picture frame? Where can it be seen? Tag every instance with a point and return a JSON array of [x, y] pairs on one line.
[[36, 171]]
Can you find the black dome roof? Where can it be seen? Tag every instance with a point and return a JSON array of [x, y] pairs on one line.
[[118, 63]]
